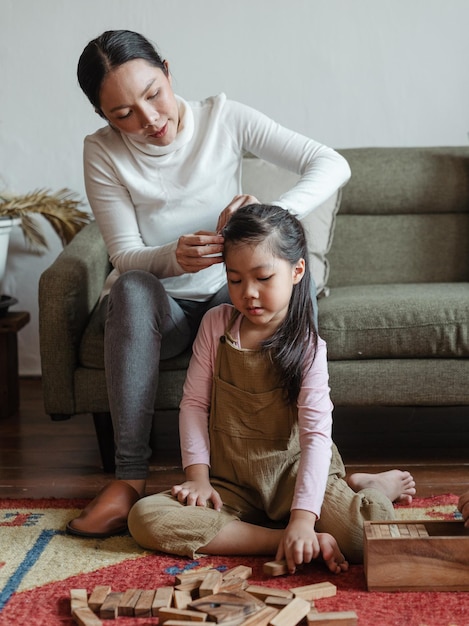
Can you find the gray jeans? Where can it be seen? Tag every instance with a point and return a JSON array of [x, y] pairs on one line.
[[143, 325]]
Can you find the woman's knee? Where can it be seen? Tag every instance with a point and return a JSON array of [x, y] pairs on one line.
[[139, 294], [135, 285]]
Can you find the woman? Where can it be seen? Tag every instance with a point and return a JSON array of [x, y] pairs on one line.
[[162, 178]]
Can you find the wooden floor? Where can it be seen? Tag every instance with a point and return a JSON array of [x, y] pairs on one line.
[[40, 458]]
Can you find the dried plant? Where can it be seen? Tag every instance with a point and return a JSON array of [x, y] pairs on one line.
[[60, 209]]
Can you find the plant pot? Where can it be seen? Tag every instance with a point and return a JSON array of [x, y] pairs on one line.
[[6, 225]]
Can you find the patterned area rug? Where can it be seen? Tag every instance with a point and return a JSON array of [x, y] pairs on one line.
[[39, 565]]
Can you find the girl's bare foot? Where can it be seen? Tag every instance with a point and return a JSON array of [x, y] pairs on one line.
[[398, 486], [331, 554]]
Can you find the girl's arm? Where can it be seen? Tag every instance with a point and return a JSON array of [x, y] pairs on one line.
[[300, 542], [194, 413], [196, 398], [315, 425]]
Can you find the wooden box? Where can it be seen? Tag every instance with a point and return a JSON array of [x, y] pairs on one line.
[[416, 556]]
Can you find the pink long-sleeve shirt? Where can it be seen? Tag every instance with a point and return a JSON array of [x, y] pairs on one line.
[[314, 410]]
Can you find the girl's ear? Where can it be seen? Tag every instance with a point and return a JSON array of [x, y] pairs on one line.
[[299, 271]]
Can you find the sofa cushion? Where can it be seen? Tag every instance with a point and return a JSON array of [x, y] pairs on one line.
[[396, 180], [372, 249], [267, 183], [396, 321]]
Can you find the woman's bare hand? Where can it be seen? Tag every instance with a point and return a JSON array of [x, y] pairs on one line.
[[235, 204], [194, 252]]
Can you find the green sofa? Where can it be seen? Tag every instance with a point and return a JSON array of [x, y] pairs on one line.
[[394, 264]]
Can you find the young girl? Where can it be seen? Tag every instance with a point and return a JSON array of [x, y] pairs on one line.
[[262, 473]]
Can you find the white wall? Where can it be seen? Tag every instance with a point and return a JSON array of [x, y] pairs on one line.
[[346, 72]]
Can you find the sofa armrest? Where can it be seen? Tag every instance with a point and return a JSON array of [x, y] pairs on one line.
[[68, 292]]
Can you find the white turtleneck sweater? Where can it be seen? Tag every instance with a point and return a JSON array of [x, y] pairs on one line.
[[144, 197]]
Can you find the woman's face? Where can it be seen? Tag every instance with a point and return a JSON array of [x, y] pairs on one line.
[[137, 99]]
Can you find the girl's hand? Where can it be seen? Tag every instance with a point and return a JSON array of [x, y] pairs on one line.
[[197, 493], [235, 204], [197, 490], [301, 544], [193, 252]]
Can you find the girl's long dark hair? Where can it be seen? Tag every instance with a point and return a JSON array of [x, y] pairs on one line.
[[260, 223]]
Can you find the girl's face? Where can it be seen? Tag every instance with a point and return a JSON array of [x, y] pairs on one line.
[[137, 99], [260, 284]]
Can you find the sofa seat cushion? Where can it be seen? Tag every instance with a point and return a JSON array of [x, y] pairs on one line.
[[396, 321]]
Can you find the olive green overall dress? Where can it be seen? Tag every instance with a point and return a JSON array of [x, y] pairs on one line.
[[254, 458]]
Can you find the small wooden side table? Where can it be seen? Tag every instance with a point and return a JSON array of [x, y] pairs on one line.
[[10, 324]]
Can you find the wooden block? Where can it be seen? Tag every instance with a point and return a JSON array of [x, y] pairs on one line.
[[233, 583], [97, 597], [190, 584], [110, 606], [417, 556], [261, 617], [176, 622], [277, 601], [291, 614], [333, 618], [259, 591], [86, 617], [78, 599], [275, 568], [181, 599], [240, 571], [210, 584], [315, 591], [143, 608], [128, 601], [187, 615], [163, 598], [228, 607], [198, 573]]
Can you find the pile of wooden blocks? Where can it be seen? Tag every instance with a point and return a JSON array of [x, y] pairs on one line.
[[207, 595]]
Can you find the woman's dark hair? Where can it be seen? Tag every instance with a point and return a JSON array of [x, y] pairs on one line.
[[284, 233], [108, 51]]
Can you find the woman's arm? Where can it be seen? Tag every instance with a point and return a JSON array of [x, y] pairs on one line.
[[144, 225], [322, 170], [115, 212]]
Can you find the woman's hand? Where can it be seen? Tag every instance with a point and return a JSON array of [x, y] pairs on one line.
[[301, 544], [193, 252], [197, 490], [235, 204]]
